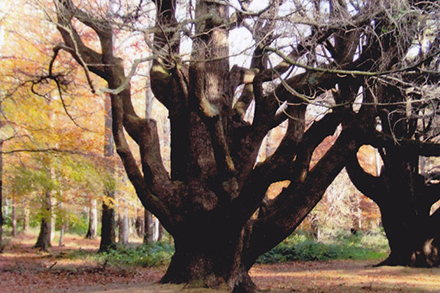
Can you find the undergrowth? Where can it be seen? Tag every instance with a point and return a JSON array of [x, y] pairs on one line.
[[146, 255], [301, 246]]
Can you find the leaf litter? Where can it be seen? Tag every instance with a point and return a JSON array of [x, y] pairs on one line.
[[24, 269]]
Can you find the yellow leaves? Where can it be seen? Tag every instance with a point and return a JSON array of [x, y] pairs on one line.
[[109, 201]]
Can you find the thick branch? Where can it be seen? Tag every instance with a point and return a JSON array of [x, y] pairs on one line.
[[431, 194], [369, 185], [296, 201], [280, 166], [428, 149], [149, 200], [86, 57]]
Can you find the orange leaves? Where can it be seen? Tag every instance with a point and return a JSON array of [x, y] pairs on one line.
[[275, 188], [370, 160]]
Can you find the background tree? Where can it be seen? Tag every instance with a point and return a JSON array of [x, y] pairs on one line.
[[407, 127], [108, 225], [149, 227], [1, 186], [213, 201], [92, 230]]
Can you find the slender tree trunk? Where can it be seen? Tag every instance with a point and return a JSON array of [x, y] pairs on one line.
[[108, 237], [26, 214], [93, 220], [43, 240], [14, 218], [149, 227], [123, 226], [61, 240], [1, 194], [161, 233], [63, 222], [53, 219], [44, 237], [2, 123], [139, 224]]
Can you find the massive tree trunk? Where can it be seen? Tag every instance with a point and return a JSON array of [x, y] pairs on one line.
[[403, 195], [404, 201], [210, 259]]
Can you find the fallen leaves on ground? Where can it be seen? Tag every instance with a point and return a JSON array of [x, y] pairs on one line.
[[340, 276], [24, 269]]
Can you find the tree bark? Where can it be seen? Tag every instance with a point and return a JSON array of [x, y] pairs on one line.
[[149, 227], [1, 186], [404, 202], [62, 231], [123, 225], [108, 226], [44, 237], [14, 218], [93, 220], [149, 222], [26, 214], [211, 260], [161, 232], [108, 235], [43, 241], [413, 240], [140, 224]]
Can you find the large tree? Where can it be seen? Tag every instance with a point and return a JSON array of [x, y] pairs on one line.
[[405, 116], [304, 56]]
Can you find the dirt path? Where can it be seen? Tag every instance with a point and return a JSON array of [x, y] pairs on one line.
[[23, 269]]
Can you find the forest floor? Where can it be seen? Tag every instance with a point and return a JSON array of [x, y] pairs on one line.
[[24, 269]]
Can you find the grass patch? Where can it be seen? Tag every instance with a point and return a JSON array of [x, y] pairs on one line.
[[149, 255], [302, 247]]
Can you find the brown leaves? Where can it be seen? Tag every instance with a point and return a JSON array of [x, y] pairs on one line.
[[23, 269]]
